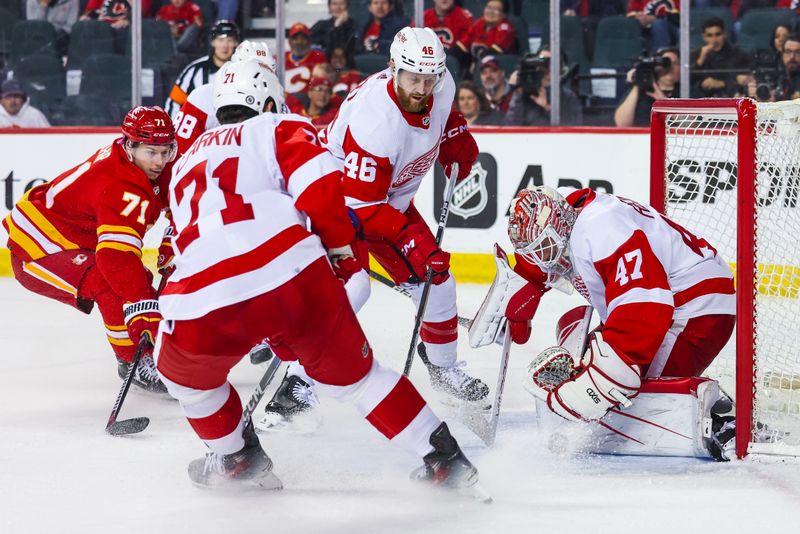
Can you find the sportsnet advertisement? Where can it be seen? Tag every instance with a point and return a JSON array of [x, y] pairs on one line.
[[612, 160]]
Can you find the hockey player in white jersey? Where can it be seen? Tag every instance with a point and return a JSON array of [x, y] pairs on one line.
[[247, 268], [387, 135], [666, 305]]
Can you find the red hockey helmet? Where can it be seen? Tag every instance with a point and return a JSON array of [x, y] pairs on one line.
[[539, 227], [150, 125]]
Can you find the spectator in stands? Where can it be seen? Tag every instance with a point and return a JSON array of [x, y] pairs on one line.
[[493, 33], [789, 81], [377, 33], [635, 107], [453, 25], [347, 77], [472, 103], [185, 21], [326, 70], [530, 105], [497, 90], [225, 38], [715, 55], [658, 19], [789, 4], [62, 14], [300, 59], [15, 111], [117, 14], [319, 108], [336, 32]]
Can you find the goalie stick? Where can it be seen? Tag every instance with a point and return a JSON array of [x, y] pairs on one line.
[[426, 289], [135, 424]]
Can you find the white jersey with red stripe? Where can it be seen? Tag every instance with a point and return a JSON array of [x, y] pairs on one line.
[[235, 197], [625, 253], [385, 151], [195, 117]]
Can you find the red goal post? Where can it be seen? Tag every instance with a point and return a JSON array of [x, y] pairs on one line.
[[729, 170]]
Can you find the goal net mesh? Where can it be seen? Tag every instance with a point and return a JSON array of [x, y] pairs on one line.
[[701, 172]]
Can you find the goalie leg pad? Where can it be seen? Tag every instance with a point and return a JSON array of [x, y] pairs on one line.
[[670, 417], [490, 319]]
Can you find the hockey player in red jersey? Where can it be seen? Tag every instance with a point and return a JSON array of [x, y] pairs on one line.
[[384, 162], [78, 238], [664, 297], [247, 268]]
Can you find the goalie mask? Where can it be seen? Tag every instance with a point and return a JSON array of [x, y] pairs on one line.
[[539, 227]]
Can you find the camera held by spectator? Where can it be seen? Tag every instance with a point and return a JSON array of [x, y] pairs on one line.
[[644, 71], [532, 70]]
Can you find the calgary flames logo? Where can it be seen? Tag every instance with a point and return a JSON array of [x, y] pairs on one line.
[[417, 168]]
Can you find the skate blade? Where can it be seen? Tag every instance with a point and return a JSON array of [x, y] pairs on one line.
[[460, 405], [299, 424], [266, 482], [128, 426], [477, 492]]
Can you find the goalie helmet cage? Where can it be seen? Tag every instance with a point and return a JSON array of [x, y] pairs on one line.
[[729, 171]]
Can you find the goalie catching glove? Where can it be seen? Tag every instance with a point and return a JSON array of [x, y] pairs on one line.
[[585, 392], [142, 318]]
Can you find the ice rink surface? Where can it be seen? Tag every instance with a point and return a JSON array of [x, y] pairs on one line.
[[60, 473]]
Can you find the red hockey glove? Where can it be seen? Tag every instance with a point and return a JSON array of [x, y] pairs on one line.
[[457, 146], [166, 253], [521, 309], [142, 320], [420, 248]]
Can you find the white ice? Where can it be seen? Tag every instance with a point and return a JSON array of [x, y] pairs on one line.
[[60, 473]]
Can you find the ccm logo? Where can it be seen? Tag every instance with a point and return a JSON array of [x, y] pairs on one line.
[[594, 396], [449, 134], [408, 247]]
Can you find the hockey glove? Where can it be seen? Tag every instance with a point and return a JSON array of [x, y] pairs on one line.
[[418, 246], [142, 320], [166, 253], [600, 382], [521, 308], [457, 146]]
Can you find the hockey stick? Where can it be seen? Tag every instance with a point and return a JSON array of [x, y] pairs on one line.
[[426, 289], [136, 424], [261, 388], [462, 321]]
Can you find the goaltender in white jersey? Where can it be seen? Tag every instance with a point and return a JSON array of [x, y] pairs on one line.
[[389, 132]]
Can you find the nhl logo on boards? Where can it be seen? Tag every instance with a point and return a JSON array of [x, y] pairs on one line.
[[474, 203], [464, 203]]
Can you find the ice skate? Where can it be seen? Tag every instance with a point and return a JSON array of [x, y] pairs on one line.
[[145, 377], [261, 353], [289, 408], [447, 467], [249, 467], [453, 380]]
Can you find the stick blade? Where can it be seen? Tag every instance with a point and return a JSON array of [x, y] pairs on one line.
[[128, 426]]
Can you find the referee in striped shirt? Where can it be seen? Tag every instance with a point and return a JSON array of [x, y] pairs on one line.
[[225, 37]]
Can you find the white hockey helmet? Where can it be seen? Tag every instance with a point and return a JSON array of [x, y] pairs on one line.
[[539, 227], [254, 50], [418, 50], [248, 83]]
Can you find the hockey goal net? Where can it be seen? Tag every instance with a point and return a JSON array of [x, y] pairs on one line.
[[729, 170]]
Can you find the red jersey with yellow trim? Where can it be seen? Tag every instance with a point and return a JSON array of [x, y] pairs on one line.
[[384, 150], [347, 81], [298, 72], [105, 204], [641, 271], [195, 117], [658, 8], [240, 198], [499, 39], [453, 29]]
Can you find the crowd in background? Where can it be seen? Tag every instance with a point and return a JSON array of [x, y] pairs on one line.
[[618, 56]]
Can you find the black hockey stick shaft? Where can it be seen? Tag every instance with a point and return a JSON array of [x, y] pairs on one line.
[[261, 388], [462, 321], [144, 343], [426, 289]]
